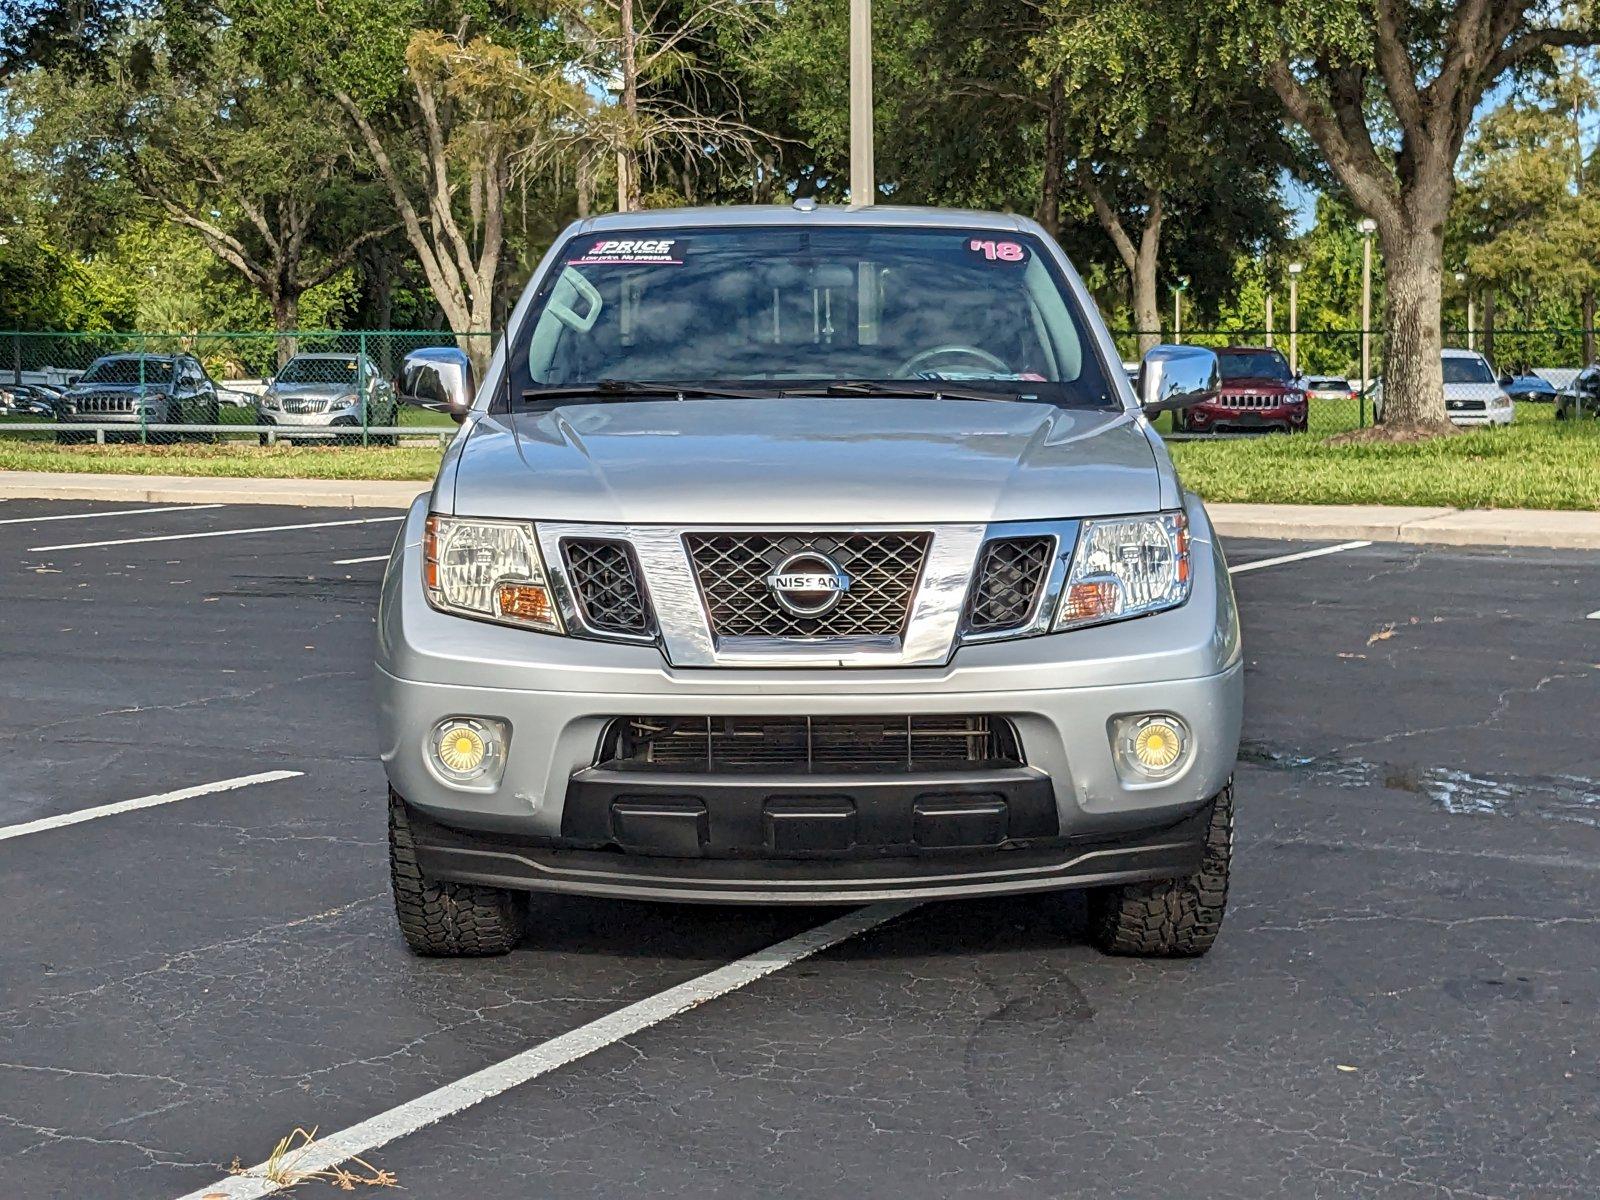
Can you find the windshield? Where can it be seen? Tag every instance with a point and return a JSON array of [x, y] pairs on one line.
[[1254, 364], [319, 370], [126, 370], [1467, 370], [780, 309]]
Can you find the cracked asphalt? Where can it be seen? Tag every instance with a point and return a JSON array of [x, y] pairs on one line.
[[1403, 1001]]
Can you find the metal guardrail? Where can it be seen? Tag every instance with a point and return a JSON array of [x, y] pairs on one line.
[[441, 434]]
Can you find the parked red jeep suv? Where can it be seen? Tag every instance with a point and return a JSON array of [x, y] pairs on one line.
[[1259, 393]]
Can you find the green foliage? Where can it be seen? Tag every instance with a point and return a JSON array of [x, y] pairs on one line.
[[43, 288]]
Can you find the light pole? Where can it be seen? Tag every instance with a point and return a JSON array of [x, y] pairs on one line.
[[1294, 316], [1177, 308], [1269, 309], [1368, 227], [1472, 317], [863, 185]]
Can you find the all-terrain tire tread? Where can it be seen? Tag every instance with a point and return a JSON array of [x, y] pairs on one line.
[[1170, 918], [443, 919]]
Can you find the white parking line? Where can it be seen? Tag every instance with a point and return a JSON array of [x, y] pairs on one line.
[[1594, 616], [1289, 558], [121, 806], [120, 512], [407, 1118], [350, 562], [210, 533]]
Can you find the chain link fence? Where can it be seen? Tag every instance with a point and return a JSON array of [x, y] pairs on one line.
[[315, 386], [1330, 361], [339, 387]]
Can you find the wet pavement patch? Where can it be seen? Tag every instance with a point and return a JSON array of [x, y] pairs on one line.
[[1465, 793]]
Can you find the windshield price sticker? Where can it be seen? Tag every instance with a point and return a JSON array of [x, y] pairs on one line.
[[662, 251], [994, 251]]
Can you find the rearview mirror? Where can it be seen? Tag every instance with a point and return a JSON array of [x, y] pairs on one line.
[[1173, 377], [438, 378]]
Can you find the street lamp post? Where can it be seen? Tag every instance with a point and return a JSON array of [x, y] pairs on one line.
[[1177, 308], [1269, 311], [1294, 315], [1472, 316], [1367, 227], [863, 185]]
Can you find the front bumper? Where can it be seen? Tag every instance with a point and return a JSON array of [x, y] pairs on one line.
[[1061, 693], [1222, 418], [324, 424]]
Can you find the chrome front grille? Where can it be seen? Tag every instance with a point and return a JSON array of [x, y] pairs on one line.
[[731, 570], [1010, 576], [108, 404], [1244, 400], [305, 407], [605, 586], [810, 745]]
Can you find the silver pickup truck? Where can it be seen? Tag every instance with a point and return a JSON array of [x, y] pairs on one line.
[[810, 556]]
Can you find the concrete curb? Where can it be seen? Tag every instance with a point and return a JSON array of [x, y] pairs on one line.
[[1551, 529], [187, 489], [1310, 522]]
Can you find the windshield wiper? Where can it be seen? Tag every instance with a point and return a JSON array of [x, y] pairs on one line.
[[915, 391], [633, 389]]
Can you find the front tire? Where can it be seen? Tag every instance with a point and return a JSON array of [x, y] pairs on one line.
[[443, 919], [1170, 918]]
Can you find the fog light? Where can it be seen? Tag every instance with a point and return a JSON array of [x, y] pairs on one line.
[[467, 749], [1154, 746]]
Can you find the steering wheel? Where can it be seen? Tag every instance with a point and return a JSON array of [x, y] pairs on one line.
[[920, 361]]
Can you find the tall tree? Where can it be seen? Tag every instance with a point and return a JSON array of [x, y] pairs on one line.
[[674, 100], [438, 118], [1387, 90], [1138, 117], [1527, 219], [255, 169]]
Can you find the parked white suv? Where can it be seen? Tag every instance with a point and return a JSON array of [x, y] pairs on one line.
[[1472, 394], [810, 556]]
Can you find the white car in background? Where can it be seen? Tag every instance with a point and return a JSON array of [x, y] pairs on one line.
[[1472, 394]]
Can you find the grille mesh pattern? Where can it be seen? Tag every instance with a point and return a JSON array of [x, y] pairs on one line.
[[732, 570], [1010, 574], [605, 584], [1251, 400], [812, 745]]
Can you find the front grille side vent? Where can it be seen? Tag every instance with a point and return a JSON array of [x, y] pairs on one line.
[[605, 586], [1011, 573]]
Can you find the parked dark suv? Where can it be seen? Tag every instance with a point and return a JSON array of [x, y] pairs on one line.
[[136, 390], [1259, 393], [1581, 396]]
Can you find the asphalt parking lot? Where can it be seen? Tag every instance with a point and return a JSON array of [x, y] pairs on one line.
[[1403, 1001]]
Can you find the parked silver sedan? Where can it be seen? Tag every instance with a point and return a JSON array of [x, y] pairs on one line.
[[316, 396]]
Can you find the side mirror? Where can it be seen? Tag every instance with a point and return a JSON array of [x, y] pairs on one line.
[[1174, 377], [437, 378]]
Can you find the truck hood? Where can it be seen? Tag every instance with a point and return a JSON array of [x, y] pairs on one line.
[[806, 460]]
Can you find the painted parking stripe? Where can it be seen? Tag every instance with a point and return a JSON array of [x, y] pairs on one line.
[[425, 1110], [119, 512], [1289, 558], [121, 806], [211, 533], [1594, 616], [350, 562]]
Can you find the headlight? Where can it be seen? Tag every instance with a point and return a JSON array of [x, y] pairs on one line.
[[1126, 567], [487, 569]]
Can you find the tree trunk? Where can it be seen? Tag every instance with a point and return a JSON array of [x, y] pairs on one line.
[[285, 320], [1413, 381], [629, 191], [1146, 304], [1050, 186], [1588, 326]]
